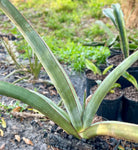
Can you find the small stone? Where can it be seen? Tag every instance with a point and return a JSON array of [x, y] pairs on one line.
[[84, 140], [43, 147], [52, 130], [45, 135], [60, 130], [113, 141], [36, 148], [70, 137], [64, 134], [55, 126], [34, 123]]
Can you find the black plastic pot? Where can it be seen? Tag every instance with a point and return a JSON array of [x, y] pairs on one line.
[[110, 109], [89, 84], [129, 111]]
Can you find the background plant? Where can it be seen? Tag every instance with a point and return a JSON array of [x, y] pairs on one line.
[[74, 121], [116, 16], [90, 65], [34, 64]]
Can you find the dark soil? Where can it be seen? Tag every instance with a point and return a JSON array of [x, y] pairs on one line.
[[117, 59], [131, 93], [42, 133], [91, 75], [116, 94], [111, 95]]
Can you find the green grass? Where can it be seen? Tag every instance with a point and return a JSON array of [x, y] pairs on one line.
[[65, 25], [75, 54]]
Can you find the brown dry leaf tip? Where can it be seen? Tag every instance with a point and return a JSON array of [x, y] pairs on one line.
[[1, 132], [27, 141], [17, 137], [2, 147]]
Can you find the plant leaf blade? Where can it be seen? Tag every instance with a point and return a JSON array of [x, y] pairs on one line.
[[112, 128], [111, 37], [92, 67], [131, 79], [121, 27], [37, 101], [49, 62], [108, 12]]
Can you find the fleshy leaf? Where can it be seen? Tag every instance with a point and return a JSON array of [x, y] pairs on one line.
[[55, 71], [131, 79], [41, 103], [107, 69], [108, 12], [111, 36], [92, 67], [112, 128]]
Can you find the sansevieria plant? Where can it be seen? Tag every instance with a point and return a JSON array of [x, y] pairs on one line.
[[74, 120], [116, 16]]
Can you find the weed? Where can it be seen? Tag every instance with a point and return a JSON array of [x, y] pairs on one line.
[[10, 107]]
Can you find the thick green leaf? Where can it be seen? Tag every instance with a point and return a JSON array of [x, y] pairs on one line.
[[121, 27], [134, 40], [133, 46], [92, 67], [107, 69], [116, 85], [49, 62], [115, 129], [94, 44], [104, 87], [41, 103], [108, 12], [131, 79], [111, 36]]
